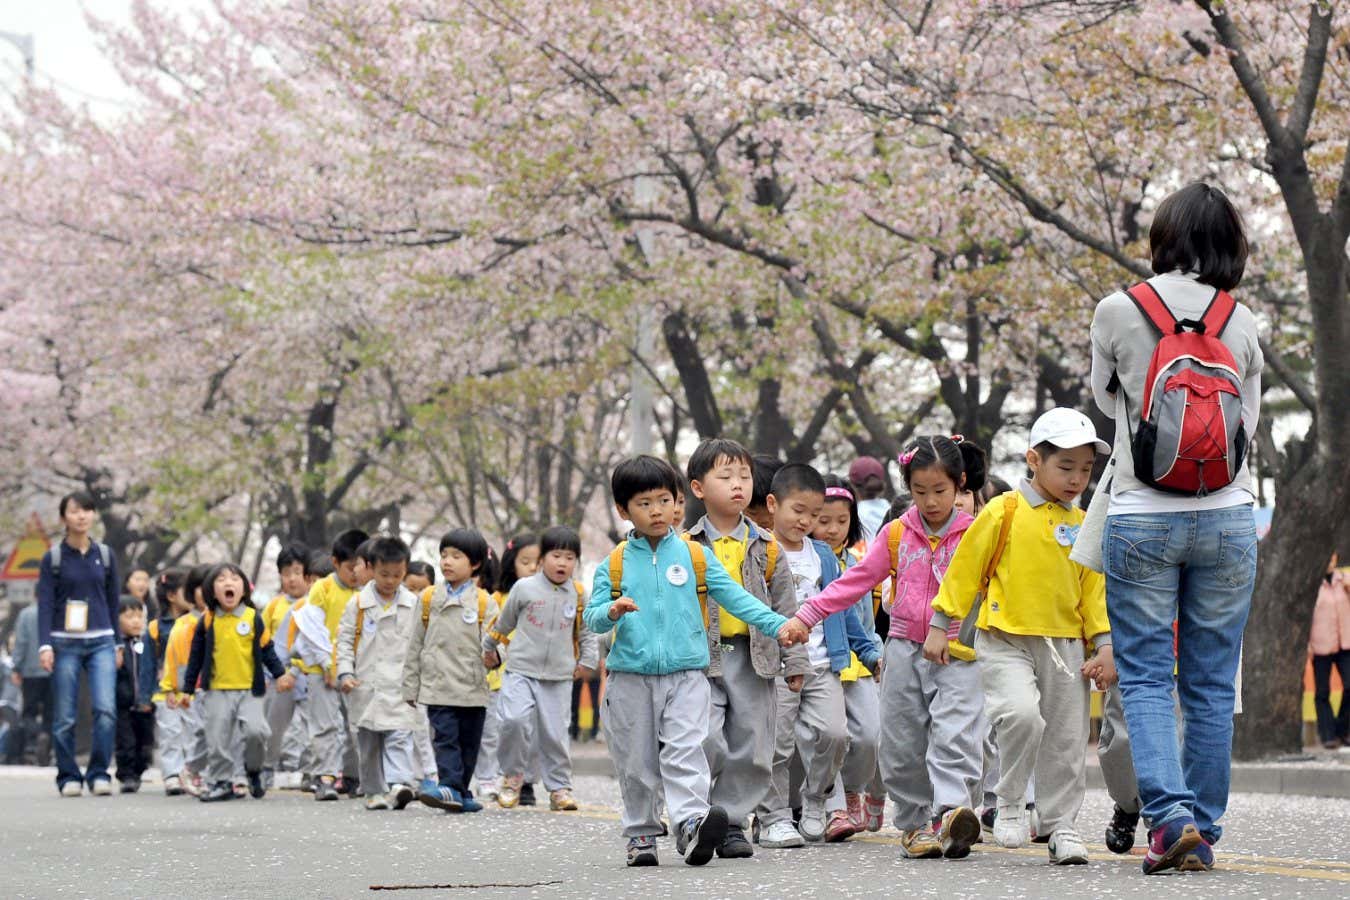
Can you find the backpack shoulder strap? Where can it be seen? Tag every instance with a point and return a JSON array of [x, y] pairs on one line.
[[426, 605], [770, 559], [56, 560], [616, 571], [894, 534], [482, 604], [1218, 313], [1005, 528], [360, 627], [700, 564], [105, 554], [1151, 305]]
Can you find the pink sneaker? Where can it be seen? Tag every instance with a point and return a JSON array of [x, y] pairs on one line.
[[839, 827], [855, 810], [874, 812]]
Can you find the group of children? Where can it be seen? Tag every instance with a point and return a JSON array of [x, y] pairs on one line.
[[772, 677]]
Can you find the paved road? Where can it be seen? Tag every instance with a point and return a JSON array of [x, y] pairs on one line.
[[288, 846]]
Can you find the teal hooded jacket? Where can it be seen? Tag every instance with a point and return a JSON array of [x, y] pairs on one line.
[[666, 634]]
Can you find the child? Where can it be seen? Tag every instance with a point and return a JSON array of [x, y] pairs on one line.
[[230, 649], [372, 643], [173, 605], [135, 695], [443, 668], [312, 634], [520, 560], [177, 652], [286, 748], [1039, 609], [931, 716], [811, 720], [859, 783], [763, 469], [550, 648], [657, 698], [420, 576], [867, 476], [742, 666]]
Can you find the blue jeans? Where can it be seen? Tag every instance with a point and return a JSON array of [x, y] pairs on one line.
[[97, 657], [1198, 569]]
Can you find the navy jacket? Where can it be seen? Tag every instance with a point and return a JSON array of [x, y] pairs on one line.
[[83, 577], [136, 681], [204, 650]]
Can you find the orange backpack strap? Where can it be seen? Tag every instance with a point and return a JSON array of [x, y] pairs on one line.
[[1005, 529], [576, 620], [700, 564], [426, 605], [616, 571], [894, 534], [360, 626], [294, 628], [770, 560]]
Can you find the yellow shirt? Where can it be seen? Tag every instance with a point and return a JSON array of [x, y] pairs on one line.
[[275, 611], [730, 552], [332, 597], [494, 676], [232, 657], [1036, 589], [177, 651]]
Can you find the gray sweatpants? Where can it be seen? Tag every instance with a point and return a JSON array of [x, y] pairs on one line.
[[862, 707], [741, 731], [230, 716], [386, 758], [932, 731], [288, 747], [1038, 701], [655, 727], [1113, 752], [326, 723], [177, 730], [812, 723], [534, 716], [489, 766]]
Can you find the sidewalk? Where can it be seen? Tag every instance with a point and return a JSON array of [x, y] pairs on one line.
[[1314, 774]]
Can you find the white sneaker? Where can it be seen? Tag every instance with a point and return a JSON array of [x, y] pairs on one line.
[[1010, 826], [1067, 848], [780, 836], [102, 788], [377, 801], [287, 781], [72, 789], [814, 820]]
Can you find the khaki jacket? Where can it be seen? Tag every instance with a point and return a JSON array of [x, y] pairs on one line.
[[377, 661], [444, 663]]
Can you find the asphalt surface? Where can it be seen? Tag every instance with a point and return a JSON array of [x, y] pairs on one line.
[[289, 846]]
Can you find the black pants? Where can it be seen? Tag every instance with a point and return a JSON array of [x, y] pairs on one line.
[[575, 728], [34, 724], [456, 732], [135, 743], [1331, 727]]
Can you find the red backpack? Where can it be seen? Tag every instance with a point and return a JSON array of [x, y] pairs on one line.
[[1191, 438]]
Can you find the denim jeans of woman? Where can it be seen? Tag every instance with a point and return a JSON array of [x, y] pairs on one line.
[[1197, 569], [97, 658]]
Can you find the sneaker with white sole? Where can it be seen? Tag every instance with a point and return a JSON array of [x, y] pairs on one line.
[[399, 796], [874, 812], [377, 801], [173, 786], [780, 836], [814, 820], [509, 794], [1010, 825], [1067, 848], [102, 788], [920, 843], [958, 831], [72, 789]]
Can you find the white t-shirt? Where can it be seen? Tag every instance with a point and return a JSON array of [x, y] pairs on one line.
[[870, 514], [806, 575]]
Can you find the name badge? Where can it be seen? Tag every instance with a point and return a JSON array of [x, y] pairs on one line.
[[677, 575], [243, 627], [1065, 535], [137, 647], [77, 616], [569, 610], [470, 615]]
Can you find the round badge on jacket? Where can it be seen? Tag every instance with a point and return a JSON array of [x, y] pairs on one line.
[[677, 575], [137, 647], [470, 615], [243, 627], [1065, 535]]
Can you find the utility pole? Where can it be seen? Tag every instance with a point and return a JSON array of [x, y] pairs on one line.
[[641, 417], [24, 42]]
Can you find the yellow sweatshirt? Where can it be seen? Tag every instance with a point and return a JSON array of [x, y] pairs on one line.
[[177, 651], [1036, 589]]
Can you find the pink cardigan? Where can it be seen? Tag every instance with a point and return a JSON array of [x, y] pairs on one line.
[[1331, 618], [918, 577]]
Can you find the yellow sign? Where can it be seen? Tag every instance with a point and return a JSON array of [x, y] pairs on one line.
[[24, 561]]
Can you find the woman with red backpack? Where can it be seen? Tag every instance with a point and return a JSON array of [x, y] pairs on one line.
[[1176, 362]]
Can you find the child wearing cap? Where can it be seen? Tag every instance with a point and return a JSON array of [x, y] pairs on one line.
[[1040, 615], [868, 477]]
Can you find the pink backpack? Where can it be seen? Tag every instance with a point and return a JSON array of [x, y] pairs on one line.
[[1191, 438]]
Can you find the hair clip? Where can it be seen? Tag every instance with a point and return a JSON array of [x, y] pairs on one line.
[[958, 438], [908, 456], [839, 493]]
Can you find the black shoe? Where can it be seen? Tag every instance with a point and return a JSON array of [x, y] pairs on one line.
[[735, 846], [1120, 833], [698, 838], [987, 819], [221, 790], [256, 788], [401, 796], [324, 790], [307, 783], [349, 786], [131, 786], [527, 796], [642, 852]]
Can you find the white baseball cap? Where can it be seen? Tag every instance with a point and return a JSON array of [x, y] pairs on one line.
[[1066, 429]]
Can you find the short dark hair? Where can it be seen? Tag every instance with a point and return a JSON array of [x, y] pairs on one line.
[[422, 570], [290, 554], [706, 455], [387, 550], [955, 458], [639, 474], [470, 543], [82, 499], [364, 551], [491, 571], [854, 525], [763, 468], [559, 537], [166, 583], [506, 578], [209, 585], [1197, 229], [196, 577], [129, 601], [794, 478], [318, 564], [347, 543]]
